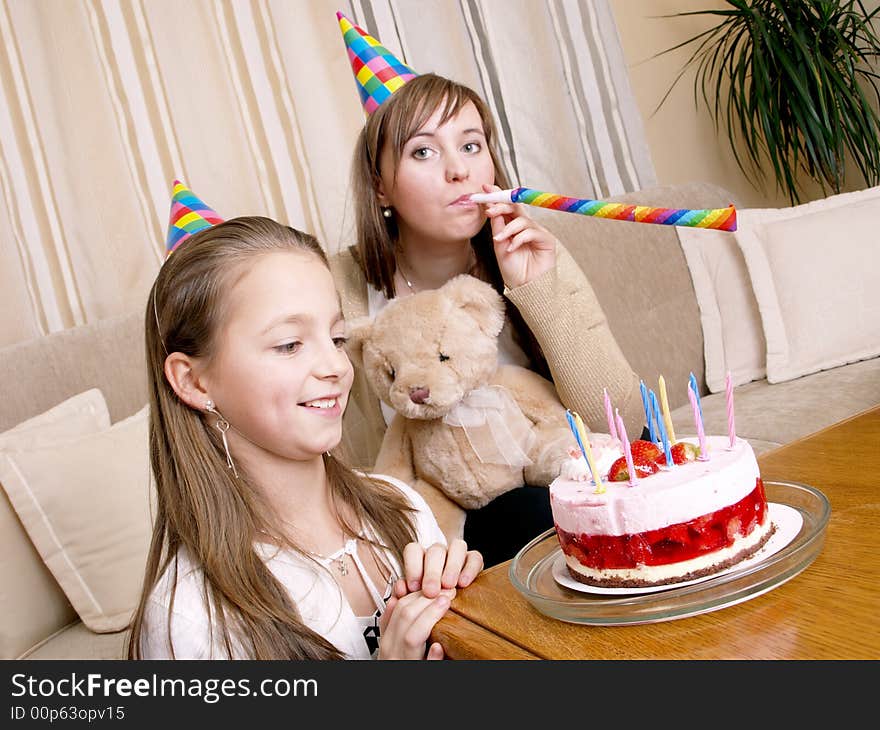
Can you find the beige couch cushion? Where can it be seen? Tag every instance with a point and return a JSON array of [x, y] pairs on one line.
[[86, 507], [76, 641], [815, 271], [733, 337], [32, 604], [41, 373]]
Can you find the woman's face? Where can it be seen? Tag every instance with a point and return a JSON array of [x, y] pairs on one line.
[[279, 374], [440, 166]]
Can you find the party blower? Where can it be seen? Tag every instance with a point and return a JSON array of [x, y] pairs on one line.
[[720, 219]]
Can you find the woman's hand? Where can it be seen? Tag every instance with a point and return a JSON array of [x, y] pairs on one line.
[[524, 249], [406, 625], [437, 568]]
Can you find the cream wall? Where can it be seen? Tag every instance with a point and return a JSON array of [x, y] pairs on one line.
[[681, 137]]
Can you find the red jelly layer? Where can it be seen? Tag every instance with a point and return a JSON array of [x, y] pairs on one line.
[[671, 544]]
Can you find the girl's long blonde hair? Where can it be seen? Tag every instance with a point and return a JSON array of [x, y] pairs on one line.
[[201, 505], [394, 123]]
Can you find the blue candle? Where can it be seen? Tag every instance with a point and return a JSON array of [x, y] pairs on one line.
[[693, 381], [656, 416], [580, 434], [647, 405], [577, 436], [664, 438]]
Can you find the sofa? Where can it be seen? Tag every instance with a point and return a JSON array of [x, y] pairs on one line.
[[75, 505]]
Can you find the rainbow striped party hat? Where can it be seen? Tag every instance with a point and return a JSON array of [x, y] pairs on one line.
[[377, 72], [189, 214]]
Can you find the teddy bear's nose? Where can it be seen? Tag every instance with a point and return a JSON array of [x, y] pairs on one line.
[[419, 394]]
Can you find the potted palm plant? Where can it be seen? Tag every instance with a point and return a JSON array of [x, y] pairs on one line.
[[792, 83]]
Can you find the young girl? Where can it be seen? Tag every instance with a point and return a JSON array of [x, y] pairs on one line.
[[423, 150], [264, 545]]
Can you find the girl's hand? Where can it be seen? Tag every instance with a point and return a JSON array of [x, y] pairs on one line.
[[437, 568], [524, 249], [406, 625]]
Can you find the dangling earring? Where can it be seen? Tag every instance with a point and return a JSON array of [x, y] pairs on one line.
[[386, 212], [222, 426]]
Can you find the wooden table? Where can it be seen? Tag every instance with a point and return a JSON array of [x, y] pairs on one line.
[[829, 611]]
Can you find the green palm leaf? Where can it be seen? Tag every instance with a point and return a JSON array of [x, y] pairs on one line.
[[792, 84]]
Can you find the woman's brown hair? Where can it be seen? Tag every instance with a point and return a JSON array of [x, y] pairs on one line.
[[394, 123], [201, 505]]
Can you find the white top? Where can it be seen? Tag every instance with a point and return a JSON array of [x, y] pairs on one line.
[[317, 595], [509, 353]]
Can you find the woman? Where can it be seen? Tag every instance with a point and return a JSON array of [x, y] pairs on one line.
[[423, 150]]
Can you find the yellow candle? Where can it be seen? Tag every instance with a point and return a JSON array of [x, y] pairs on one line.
[[588, 452], [664, 406]]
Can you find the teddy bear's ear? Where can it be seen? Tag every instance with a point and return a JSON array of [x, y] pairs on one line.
[[479, 300], [357, 331]]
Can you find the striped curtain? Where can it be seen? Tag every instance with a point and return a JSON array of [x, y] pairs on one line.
[[251, 103]]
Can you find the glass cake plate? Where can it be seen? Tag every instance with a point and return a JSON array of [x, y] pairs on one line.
[[532, 574]]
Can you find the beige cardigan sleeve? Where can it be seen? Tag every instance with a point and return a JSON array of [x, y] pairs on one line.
[[561, 309]]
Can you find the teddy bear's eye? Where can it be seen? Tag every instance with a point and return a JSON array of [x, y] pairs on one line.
[[390, 371], [443, 358]]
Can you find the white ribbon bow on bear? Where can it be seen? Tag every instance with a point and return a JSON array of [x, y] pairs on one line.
[[494, 425]]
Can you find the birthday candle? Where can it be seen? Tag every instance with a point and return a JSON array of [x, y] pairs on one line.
[[722, 219], [667, 418], [609, 415], [577, 437], [627, 451], [698, 419], [655, 415], [731, 428], [664, 439], [693, 381], [647, 406], [588, 453]]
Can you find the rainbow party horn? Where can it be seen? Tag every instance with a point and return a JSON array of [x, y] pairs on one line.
[[721, 219]]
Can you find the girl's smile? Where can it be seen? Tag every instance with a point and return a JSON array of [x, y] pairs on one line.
[[328, 407]]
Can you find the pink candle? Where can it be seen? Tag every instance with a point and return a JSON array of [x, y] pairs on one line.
[[608, 414], [731, 428], [627, 450], [704, 447]]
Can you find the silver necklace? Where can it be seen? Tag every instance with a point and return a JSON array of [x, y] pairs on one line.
[[412, 289], [340, 563], [403, 276]]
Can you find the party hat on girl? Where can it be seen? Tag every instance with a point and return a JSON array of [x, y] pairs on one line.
[[377, 72], [189, 214]]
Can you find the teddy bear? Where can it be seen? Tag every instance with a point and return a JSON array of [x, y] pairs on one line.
[[465, 429]]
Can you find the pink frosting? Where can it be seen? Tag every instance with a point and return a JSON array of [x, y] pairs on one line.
[[665, 498]]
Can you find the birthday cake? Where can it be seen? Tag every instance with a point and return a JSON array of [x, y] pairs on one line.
[[667, 524]]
